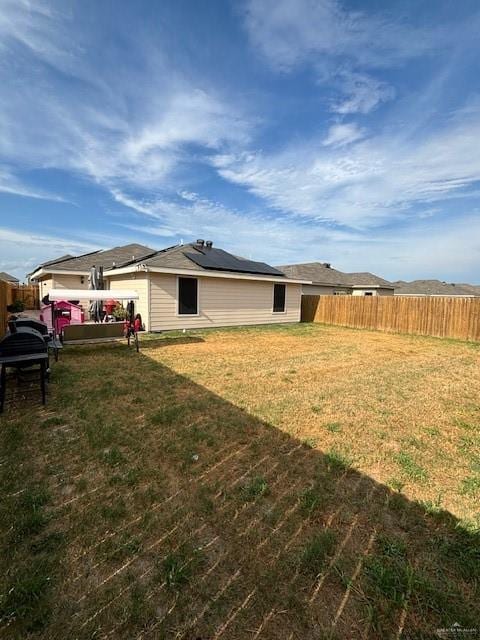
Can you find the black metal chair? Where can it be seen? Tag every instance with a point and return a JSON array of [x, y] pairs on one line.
[[21, 348]]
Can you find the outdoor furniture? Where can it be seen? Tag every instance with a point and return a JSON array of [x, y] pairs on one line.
[[92, 331], [23, 348], [98, 331]]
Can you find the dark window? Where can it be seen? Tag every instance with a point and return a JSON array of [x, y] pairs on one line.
[[368, 293], [187, 296], [279, 298]]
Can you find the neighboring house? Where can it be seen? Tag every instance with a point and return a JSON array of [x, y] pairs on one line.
[[8, 278], [197, 285], [72, 272], [325, 280], [435, 288], [368, 284]]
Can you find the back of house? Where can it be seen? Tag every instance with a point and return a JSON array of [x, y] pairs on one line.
[[197, 285]]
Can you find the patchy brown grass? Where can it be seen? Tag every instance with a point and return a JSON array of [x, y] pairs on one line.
[[285, 482]]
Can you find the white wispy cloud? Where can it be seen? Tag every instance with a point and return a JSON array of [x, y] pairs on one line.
[[338, 44], [9, 183], [190, 216], [130, 127], [368, 181], [361, 93], [289, 32], [343, 133], [22, 251]]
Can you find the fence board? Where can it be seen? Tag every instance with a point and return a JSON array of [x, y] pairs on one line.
[[29, 294], [6, 298], [441, 317]]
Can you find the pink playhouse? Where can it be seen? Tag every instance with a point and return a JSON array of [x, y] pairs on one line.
[[65, 313]]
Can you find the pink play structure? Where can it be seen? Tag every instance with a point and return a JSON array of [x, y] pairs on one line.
[[65, 313]]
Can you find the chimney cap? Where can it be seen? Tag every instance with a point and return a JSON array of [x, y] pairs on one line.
[[209, 244], [200, 242]]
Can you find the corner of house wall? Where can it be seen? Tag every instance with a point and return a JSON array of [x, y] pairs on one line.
[[149, 302]]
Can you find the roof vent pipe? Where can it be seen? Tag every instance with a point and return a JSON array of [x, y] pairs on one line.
[[209, 244], [200, 242]]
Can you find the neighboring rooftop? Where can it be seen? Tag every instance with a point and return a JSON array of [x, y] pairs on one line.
[[367, 279], [7, 277], [473, 288], [201, 256], [67, 256], [116, 257], [434, 288], [322, 273], [317, 272]]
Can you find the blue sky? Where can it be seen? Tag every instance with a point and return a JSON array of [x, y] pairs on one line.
[[283, 130]]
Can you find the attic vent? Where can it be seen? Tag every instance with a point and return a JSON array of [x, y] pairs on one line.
[[209, 244], [327, 265], [200, 242]]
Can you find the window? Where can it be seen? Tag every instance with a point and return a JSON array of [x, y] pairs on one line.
[[279, 298], [368, 293], [187, 296]]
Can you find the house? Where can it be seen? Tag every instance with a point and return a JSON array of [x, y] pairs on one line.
[[368, 284], [325, 280], [435, 288], [72, 272], [8, 278], [197, 285]]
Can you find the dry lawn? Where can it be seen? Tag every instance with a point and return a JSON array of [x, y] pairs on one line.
[[274, 483]]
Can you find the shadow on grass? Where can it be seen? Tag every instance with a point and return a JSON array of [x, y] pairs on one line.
[[152, 507], [152, 341]]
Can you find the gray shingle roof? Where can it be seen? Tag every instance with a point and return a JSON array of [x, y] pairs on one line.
[[67, 256], [7, 277], [318, 272], [321, 273], [175, 258], [367, 279], [118, 256], [473, 288], [434, 288]]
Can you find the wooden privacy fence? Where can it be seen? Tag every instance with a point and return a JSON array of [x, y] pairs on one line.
[[6, 298], [29, 294], [9, 293], [429, 316]]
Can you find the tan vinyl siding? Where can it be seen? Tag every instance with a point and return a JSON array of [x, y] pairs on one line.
[[138, 283], [45, 284], [323, 290], [222, 302]]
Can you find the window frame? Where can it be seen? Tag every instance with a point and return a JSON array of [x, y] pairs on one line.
[[282, 284], [177, 310]]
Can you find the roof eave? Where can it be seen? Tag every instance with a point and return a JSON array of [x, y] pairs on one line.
[[65, 272], [139, 268]]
